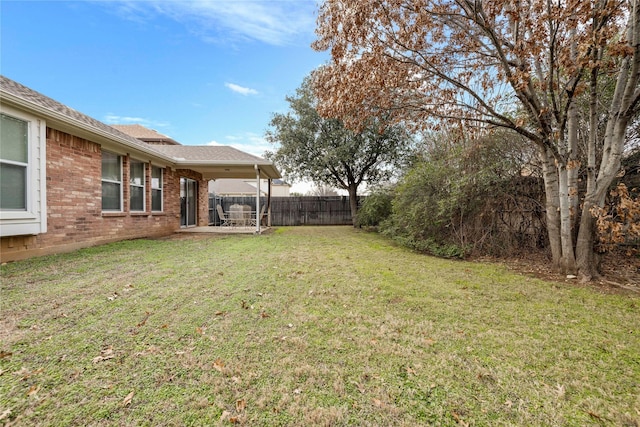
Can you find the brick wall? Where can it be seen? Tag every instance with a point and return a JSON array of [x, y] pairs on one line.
[[74, 203]]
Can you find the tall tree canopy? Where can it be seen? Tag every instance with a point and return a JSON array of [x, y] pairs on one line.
[[517, 64], [324, 151]]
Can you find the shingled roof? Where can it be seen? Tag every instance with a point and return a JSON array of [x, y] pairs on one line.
[[220, 161], [204, 153], [212, 161], [59, 113], [145, 134]]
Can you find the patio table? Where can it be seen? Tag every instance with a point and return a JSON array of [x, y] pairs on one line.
[[240, 215]]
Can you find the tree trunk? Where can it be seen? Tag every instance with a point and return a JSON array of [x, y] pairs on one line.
[[567, 260], [585, 255], [573, 166], [587, 267], [552, 206], [595, 196], [353, 203], [622, 108]]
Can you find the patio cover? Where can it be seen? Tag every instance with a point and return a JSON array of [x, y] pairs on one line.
[[217, 161]]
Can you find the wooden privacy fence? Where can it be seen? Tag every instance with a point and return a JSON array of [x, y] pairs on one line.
[[305, 210]]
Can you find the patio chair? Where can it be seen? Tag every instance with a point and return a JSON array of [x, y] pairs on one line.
[[258, 220], [224, 218]]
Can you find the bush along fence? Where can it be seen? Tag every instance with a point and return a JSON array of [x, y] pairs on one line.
[[305, 210]]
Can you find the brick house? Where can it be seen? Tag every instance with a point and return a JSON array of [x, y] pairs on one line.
[[69, 181]]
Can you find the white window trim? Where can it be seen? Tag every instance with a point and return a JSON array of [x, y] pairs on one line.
[[161, 188], [113, 182], [33, 220], [143, 186]]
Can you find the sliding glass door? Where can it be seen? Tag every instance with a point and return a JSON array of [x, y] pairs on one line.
[[188, 202]]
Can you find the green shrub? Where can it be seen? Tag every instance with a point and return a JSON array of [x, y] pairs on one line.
[[460, 200], [375, 208]]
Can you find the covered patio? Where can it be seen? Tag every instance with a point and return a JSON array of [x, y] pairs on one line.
[[229, 163]]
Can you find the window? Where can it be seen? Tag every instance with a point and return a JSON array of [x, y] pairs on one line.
[[136, 186], [111, 182], [23, 198], [156, 189], [14, 163]]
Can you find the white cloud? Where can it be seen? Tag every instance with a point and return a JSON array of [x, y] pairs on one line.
[[248, 142], [241, 89], [273, 22], [112, 119]]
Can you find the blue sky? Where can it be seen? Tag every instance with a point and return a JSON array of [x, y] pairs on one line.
[[202, 72]]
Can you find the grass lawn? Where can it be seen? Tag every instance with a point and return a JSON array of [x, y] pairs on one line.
[[307, 326]]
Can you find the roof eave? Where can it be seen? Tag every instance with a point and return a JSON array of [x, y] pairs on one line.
[[65, 123], [216, 169], [76, 127]]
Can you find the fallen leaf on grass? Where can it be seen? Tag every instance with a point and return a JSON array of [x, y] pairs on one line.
[[359, 386], [34, 389], [379, 403], [264, 315], [105, 354], [127, 400], [144, 321], [241, 405], [458, 419], [218, 365], [561, 391], [26, 374], [234, 420], [594, 415], [149, 350]]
